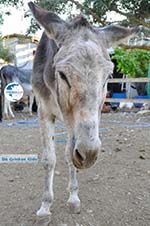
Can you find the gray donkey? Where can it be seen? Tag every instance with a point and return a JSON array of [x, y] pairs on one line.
[[70, 73], [8, 74]]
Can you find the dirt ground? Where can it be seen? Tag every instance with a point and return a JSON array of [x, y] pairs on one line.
[[114, 192]]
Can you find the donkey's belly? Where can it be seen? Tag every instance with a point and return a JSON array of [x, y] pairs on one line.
[[27, 88]]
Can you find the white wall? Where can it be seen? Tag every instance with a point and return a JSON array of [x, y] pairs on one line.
[[24, 55]]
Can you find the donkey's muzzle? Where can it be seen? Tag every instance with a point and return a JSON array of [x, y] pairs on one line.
[[84, 157]]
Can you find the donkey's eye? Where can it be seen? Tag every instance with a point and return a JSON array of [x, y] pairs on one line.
[[63, 77]]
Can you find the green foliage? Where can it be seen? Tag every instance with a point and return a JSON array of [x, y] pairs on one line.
[[100, 7], [33, 27], [132, 62], [135, 11], [58, 6], [6, 54], [11, 2], [140, 9]]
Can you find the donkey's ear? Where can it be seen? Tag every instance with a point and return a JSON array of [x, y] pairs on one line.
[[114, 34], [53, 24]]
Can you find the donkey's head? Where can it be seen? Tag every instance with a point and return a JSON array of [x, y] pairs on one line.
[[82, 66]]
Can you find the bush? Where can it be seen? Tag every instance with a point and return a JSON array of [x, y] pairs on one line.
[[132, 62], [6, 54]]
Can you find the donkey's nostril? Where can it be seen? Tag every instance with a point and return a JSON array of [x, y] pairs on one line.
[[79, 156]]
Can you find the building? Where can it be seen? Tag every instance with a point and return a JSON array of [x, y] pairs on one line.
[[23, 47]]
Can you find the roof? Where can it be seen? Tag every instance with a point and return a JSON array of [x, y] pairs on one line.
[[22, 38]]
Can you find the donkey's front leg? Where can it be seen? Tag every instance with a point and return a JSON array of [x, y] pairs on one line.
[[73, 201], [49, 161]]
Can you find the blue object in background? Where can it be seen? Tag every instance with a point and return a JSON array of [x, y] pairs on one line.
[[118, 95], [139, 105]]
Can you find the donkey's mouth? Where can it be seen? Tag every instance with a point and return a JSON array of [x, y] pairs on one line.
[[83, 164], [77, 164], [82, 159]]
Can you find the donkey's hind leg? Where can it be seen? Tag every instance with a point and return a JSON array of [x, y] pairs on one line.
[[8, 113], [10, 110], [48, 160]]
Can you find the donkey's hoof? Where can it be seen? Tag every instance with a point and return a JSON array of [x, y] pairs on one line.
[[8, 117], [74, 206], [43, 212], [5, 117]]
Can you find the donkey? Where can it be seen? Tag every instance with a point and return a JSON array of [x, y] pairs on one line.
[[10, 73], [70, 73]]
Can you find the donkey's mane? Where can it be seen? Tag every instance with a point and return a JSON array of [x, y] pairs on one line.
[[80, 21]]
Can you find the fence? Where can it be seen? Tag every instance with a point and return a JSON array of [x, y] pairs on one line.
[[128, 80]]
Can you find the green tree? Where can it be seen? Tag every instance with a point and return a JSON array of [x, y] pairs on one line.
[[135, 11]]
